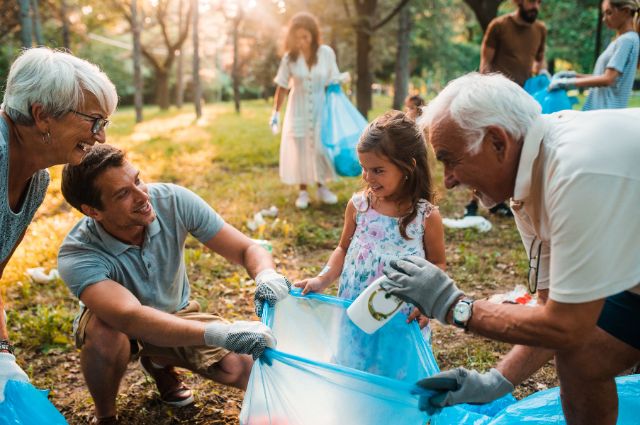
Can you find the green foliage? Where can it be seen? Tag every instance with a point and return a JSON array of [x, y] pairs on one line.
[[41, 327], [571, 32], [443, 44]]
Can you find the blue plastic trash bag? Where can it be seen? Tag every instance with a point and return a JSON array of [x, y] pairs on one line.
[[321, 374], [534, 84], [553, 101], [342, 125], [25, 405], [545, 406]]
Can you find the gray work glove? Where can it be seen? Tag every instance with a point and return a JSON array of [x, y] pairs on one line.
[[240, 337], [418, 282], [463, 386], [272, 287]]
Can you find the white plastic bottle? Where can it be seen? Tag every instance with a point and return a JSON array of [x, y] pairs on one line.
[[374, 307]]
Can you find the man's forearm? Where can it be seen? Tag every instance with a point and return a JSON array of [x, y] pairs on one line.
[[160, 328], [257, 259], [551, 326], [522, 362]]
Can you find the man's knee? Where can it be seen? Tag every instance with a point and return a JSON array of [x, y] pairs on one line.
[[233, 369], [103, 341]]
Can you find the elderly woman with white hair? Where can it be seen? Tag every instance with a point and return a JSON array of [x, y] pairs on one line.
[[55, 109]]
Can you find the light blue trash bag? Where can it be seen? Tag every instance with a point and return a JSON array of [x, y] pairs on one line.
[[551, 101], [534, 84], [26, 405], [319, 376], [342, 125]]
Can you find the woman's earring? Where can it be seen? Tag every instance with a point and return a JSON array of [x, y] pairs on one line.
[[46, 138], [406, 177]]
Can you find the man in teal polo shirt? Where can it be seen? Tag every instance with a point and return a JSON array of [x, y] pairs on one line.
[[124, 260]]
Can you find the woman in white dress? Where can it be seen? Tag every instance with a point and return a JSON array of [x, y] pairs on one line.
[[306, 70]]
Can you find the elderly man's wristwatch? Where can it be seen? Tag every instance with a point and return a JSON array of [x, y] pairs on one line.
[[462, 312]]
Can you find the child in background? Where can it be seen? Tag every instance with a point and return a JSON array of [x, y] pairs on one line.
[[393, 217], [413, 106]]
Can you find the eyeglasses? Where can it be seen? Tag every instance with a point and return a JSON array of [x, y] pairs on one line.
[[533, 270], [98, 123]]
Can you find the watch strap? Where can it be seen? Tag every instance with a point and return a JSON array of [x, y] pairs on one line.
[[5, 345]]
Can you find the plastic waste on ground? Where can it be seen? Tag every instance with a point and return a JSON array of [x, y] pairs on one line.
[[38, 275], [518, 295], [25, 405], [327, 371], [477, 222], [264, 243], [258, 218], [342, 125]]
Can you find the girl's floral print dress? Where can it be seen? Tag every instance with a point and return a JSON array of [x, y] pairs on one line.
[[375, 242]]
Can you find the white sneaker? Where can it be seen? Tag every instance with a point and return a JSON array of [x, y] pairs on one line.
[[326, 196], [303, 200]]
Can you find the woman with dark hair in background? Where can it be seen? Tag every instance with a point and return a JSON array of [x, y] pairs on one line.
[[306, 69]]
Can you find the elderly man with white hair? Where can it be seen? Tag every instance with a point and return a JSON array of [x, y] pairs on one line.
[[574, 184]]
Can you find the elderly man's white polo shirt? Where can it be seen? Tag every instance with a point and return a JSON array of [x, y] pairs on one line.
[[578, 191]]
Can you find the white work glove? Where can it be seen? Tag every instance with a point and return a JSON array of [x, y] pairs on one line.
[[565, 74], [418, 282], [463, 386], [274, 122], [240, 337], [9, 369], [271, 288], [567, 83]]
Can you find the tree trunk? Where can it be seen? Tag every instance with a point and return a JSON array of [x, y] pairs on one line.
[[235, 71], [485, 10], [197, 89], [598, 44], [37, 23], [401, 84], [363, 83], [66, 40], [137, 58], [180, 66], [25, 24], [162, 88]]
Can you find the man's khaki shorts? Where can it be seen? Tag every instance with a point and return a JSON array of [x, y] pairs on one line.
[[200, 359]]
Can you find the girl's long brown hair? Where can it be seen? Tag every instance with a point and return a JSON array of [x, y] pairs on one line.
[[306, 21], [396, 137]]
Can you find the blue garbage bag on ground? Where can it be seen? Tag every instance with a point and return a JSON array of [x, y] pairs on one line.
[[319, 375], [545, 406], [342, 125], [25, 405]]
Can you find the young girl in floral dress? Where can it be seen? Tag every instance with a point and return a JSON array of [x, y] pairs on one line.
[[393, 217]]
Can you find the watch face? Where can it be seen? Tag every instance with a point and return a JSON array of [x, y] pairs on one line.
[[462, 312]]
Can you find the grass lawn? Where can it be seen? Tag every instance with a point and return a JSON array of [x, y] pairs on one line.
[[232, 162]]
